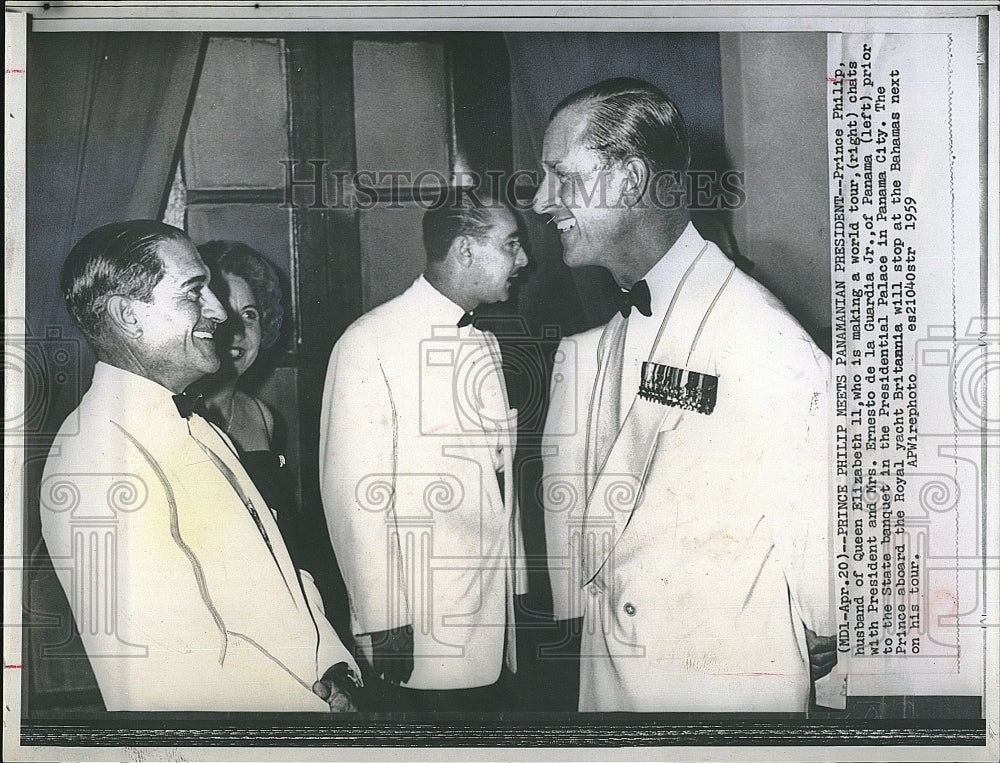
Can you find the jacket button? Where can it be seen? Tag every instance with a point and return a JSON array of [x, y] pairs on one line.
[[594, 590], [629, 609]]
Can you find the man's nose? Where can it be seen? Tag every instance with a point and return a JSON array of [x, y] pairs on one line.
[[213, 308], [522, 258], [542, 201]]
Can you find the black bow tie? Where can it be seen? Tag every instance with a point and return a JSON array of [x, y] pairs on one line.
[[466, 320], [637, 297], [188, 404]]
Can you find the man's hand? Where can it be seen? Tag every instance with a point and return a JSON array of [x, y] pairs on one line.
[[338, 687], [392, 654], [822, 654]]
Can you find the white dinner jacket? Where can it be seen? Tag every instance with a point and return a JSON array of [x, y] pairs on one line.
[[179, 602], [415, 427], [707, 533]]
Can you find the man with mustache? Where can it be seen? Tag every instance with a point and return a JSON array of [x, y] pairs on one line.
[[416, 447], [181, 587], [704, 536]]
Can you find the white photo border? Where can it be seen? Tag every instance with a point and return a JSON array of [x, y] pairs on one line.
[[267, 736]]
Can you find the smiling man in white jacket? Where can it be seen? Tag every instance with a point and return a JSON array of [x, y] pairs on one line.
[[704, 563], [179, 581]]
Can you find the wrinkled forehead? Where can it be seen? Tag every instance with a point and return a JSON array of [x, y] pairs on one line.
[[181, 261]]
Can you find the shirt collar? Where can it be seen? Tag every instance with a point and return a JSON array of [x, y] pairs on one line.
[[665, 276], [439, 309], [128, 389]]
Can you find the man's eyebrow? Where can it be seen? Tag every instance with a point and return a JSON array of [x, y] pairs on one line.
[[200, 279]]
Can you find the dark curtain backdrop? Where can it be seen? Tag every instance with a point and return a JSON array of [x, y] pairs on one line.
[[105, 118], [105, 113]]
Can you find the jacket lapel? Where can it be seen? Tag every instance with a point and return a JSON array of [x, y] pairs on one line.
[[243, 487], [617, 488]]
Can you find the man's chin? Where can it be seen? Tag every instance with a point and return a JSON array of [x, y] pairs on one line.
[[208, 367], [574, 258], [220, 375]]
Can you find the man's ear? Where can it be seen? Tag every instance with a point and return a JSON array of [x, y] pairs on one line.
[[122, 316], [635, 182], [461, 250]]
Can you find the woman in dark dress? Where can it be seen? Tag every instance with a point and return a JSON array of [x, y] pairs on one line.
[[246, 283]]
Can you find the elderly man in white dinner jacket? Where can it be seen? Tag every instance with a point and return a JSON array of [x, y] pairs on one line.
[[180, 584], [705, 560], [416, 448]]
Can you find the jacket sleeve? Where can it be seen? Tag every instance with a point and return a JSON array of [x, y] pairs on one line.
[[804, 519], [358, 436], [331, 648]]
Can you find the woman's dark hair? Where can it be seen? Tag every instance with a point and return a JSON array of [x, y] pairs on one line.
[[238, 259]]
